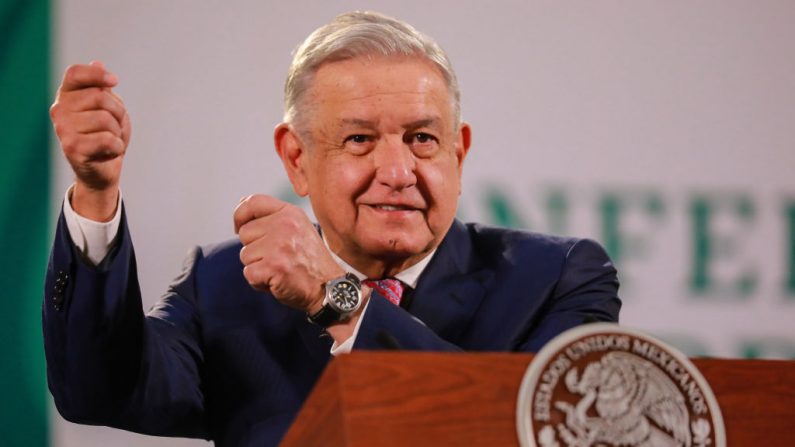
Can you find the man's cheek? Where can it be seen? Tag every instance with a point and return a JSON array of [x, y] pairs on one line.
[[440, 182], [351, 179]]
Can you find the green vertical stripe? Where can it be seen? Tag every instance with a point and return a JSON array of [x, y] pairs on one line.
[[24, 218]]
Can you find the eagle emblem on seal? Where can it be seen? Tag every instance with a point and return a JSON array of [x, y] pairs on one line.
[[628, 394]]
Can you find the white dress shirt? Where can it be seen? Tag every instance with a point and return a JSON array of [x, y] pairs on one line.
[[93, 239]]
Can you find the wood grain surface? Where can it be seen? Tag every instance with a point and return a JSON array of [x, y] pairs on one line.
[[434, 399]]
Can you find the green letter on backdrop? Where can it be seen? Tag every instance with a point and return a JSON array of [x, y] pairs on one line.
[[711, 247]]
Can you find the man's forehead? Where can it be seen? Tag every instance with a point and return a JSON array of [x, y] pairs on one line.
[[417, 72], [364, 92]]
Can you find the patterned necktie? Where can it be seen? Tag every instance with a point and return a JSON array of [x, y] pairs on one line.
[[389, 288]]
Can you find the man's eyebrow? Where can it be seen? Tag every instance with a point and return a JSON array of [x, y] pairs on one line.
[[358, 122], [425, 122]]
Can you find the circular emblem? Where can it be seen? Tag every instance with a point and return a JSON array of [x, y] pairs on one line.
[[605, 385]]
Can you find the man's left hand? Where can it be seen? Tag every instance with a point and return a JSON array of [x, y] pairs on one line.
[[283, 253]]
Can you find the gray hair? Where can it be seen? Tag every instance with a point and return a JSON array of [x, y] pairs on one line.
[[361, 34]]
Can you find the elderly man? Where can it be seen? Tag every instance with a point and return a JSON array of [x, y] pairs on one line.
[[372, 135]]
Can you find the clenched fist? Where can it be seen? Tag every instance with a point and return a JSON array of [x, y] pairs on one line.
[[283, 252], [93, 127]]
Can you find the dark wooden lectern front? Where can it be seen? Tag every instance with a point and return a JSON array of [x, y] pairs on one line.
[[418, 399]]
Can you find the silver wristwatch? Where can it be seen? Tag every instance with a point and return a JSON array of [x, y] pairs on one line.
[[343, 297]]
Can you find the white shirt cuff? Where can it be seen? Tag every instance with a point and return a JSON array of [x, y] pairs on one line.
[[346, 346], [93, 239]]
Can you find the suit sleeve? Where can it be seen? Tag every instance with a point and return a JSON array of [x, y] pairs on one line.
[[587, 291], [386, 326], [108, 363]]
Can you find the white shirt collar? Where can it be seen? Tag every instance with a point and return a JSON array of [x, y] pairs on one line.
[[410, 276]]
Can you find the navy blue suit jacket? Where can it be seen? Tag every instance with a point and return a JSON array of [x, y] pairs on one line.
[[218, 360]]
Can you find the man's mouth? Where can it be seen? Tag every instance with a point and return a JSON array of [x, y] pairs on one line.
[[394, 207]]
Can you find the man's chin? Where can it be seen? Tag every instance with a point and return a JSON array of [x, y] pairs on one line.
[[398, 248]]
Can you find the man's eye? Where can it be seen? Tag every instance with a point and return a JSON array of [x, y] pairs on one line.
[[358, 139], [423, 144], [424, 138], [359, 144]]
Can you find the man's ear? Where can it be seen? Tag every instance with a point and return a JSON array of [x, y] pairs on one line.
[[462, 143], [294, 155]]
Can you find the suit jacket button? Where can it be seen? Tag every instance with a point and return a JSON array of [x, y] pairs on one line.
[[57, 301], [60, 285]]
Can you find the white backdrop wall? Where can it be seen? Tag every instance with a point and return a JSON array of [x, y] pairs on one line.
[[662, 129]]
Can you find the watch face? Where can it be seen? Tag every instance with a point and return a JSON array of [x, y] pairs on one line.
[[345, 296]]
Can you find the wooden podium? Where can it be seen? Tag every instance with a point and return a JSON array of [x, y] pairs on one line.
[[434, 399]]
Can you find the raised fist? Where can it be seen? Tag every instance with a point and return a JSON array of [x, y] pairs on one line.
[[94, 130], [283, 252]]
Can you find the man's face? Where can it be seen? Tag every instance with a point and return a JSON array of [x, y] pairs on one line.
[[382, 162]]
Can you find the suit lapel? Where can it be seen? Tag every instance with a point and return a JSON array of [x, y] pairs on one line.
[[451, 288]]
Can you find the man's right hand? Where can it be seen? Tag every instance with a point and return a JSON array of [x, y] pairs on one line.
[[94, 130]]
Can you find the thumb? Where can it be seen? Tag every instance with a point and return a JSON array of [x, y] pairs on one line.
[[110, 78]]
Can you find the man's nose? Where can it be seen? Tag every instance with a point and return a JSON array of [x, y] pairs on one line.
[[395, 164]]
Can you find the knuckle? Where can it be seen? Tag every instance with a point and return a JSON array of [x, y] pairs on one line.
[[83, 145], [106, 121], [97, 100], [103, 119], [245, 255], [256, 276], [243, 203], [289, 210], [255, 200], [58, 127], [114, 145], [295, 213], [292, 221], [250, 274], [71, 71], [291, 224], [109, 141], [104, 140], [245, 235], [105, 101], [284, 250], [90, 145], [69, 143], [239, 224], [278, 286], [238, 213]]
